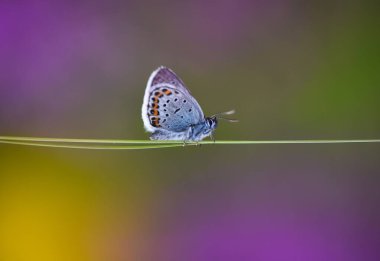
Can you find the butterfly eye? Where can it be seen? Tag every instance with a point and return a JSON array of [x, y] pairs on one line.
[[212, 122]]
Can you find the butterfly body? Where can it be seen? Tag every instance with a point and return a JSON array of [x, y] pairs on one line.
[[192, 133], [170, 112]]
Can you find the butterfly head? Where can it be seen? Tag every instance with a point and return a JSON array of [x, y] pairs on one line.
[[208, 126], [211, 124]]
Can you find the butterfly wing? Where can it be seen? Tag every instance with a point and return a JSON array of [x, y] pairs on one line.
[[168, 104]]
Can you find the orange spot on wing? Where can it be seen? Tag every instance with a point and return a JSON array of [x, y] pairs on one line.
[[168, 92], [158, 94]]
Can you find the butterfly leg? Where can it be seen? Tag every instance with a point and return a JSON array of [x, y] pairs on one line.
[[184, 142], [212, 137], [187, 136]]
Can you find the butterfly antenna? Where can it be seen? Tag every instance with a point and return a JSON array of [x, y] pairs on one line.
[[229, 120], [218, 116], [224, 113]]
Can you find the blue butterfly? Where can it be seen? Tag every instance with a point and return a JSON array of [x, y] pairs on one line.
[[170, 112]]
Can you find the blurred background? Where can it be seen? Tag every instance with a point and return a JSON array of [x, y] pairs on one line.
[[291, 69]]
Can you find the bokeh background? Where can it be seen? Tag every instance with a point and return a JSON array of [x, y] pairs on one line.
[[292, 70]]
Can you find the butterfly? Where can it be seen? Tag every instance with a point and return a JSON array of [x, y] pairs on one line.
[[170, 112]]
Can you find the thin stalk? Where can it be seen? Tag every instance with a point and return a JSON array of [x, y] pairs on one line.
[[118, 141], [91, 147], [102, 144], [102, 141]]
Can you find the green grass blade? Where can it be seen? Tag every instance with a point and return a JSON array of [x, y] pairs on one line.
[[91, 147], [291, 141], [63, 140], [108, 144], [120, 142]]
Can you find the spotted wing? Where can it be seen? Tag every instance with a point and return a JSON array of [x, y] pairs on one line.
[[167, 76], [168, 104]]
